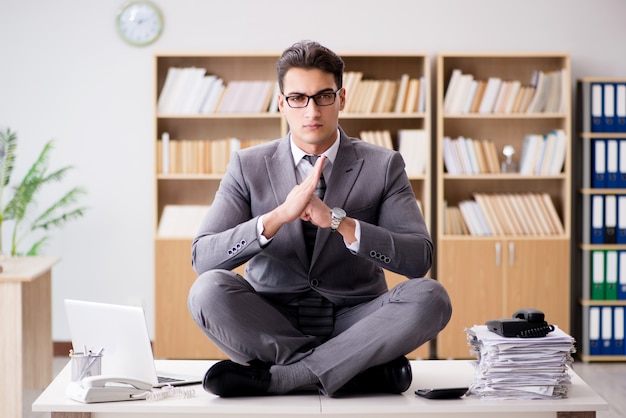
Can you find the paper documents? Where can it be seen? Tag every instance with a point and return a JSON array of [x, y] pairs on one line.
[[520, 368]]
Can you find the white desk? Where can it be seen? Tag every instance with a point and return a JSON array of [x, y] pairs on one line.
[[583, 402]]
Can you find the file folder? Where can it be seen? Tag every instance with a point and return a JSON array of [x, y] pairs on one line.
[[622, 164], [606, 326], [618, 330], [621, 276], [612, 161], [594, 330], [620, 107], [609, 108], [598, 166], [610, 276], [597, 219], [596, 108], [610, 219], [597, 275], [621, 219]]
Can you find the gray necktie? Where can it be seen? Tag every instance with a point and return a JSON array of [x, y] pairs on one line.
[[321, 184], [315, 312]]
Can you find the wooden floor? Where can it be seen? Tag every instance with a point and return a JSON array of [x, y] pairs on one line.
[[607, 379]]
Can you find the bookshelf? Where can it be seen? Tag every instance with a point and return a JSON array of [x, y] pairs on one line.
[[192, 144], [601, 122], [503, 236]]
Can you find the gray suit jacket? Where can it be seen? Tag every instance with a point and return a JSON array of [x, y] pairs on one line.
[[367, 181]]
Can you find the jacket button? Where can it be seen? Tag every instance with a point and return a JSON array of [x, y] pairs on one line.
[[314, 282]]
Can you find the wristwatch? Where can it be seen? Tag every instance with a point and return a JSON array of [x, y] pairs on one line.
[[336, 216]]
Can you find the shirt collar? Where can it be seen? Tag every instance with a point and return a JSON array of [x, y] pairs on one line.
[[331, 153]]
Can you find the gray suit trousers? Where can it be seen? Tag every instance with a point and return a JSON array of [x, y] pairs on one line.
[[247, 326]]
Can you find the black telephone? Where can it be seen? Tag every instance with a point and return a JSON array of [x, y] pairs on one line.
[[525, 323]]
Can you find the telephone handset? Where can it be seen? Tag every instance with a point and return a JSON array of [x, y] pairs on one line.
[[525, 323], [114, 381], [104, 388]]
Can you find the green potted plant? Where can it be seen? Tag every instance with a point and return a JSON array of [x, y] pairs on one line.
[[21, 208]]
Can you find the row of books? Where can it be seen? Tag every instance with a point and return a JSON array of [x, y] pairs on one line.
[[543, 154], [190, 90], [198, 156], [546, 93], [608, 275], [413, 145], [406, 95], [608, 107], [506, 214], [608, 219], [470, 156], [608, 163], [606, 330]]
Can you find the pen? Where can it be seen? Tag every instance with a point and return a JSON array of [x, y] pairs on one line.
[[92, 360]]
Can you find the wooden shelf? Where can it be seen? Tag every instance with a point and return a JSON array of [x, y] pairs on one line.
[[176, 335], [489, 277]]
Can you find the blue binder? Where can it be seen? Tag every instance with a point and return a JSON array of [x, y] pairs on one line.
[[609, 107], [612, 163], [594, 330], [606, 330], [597, 108], [618, 330], [598, 163], [597, 219], [621, 163], [621, 219], [620, 107]]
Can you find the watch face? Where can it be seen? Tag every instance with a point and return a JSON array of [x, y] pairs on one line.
[[339, 213], [139, 22]]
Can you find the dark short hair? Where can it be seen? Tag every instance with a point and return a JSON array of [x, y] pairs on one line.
[[310, 55]]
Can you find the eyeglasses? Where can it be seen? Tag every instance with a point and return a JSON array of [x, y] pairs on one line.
[[297, 101]]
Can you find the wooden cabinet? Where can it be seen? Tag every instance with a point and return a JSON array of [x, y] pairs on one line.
[[490, 275], [600, 225], [182, 179]]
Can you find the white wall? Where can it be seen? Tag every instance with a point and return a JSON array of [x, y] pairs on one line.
[[65, 74]]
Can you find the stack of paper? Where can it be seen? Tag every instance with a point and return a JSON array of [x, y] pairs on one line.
[[521, 368]]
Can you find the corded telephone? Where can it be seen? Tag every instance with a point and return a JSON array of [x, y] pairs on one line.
[[108, 389], [525, 323]]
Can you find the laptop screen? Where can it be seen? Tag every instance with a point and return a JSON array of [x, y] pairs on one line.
[[120, 330]]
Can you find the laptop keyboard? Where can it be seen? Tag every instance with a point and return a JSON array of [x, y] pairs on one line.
[[165, 379]]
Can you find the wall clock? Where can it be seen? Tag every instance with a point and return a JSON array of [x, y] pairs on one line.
[[139, 22]]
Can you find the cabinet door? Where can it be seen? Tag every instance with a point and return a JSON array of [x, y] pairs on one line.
[[538, 276], [471, 271], [177, 336]]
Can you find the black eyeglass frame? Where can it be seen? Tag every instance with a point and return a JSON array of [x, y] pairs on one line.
[[314, 97]]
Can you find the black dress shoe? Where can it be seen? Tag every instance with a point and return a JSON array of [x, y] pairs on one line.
[[229, 379], [392, 377]]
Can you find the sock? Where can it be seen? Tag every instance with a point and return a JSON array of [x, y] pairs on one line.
[[286, 378]]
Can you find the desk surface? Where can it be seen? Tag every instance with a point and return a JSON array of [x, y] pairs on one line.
[[426, 374]]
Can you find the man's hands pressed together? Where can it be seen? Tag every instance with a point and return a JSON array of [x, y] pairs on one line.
[[298, 204]]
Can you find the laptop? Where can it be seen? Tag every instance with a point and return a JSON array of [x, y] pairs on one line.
[[122, 333]]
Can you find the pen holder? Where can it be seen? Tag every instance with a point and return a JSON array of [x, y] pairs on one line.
[[85, 365]]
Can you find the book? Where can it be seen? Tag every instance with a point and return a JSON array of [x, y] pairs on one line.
[[413, 146], [402, 92], [181, 221], [489, 97]]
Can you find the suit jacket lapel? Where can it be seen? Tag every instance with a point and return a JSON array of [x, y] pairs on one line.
[[282, 176], [346, 169]]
